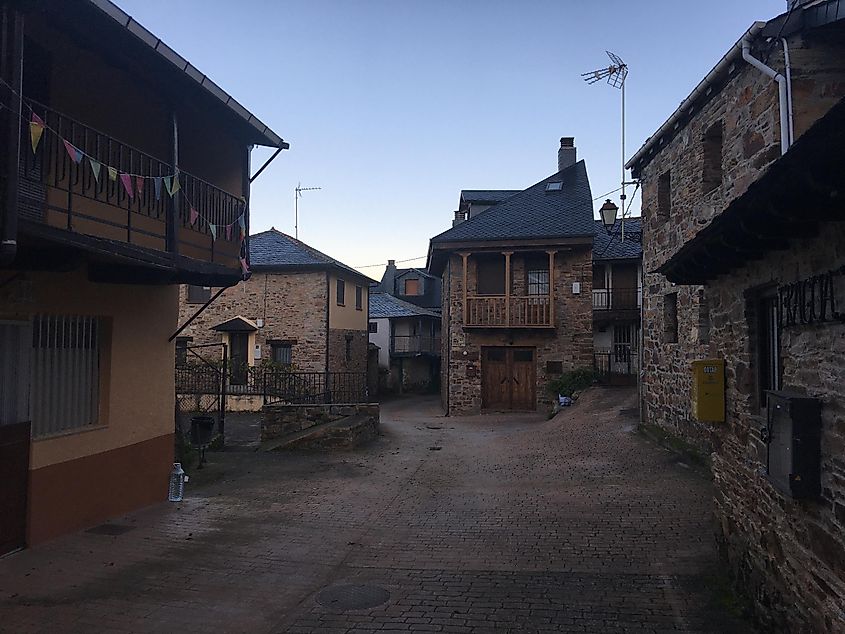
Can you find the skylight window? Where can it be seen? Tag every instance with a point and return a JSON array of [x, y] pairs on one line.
[[554, 187]]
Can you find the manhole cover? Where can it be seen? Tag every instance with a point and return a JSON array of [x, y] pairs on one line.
[[352, 597], [110, 529]]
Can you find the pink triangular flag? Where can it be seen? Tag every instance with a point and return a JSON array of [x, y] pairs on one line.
[[139, 184], [73, 152], [194, 216], [126, 179], [228, 232], [244, 266]]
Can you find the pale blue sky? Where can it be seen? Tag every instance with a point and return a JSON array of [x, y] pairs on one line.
[[393, 107]]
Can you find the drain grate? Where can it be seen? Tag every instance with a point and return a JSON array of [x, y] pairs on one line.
[[110, 529], [352, 597]]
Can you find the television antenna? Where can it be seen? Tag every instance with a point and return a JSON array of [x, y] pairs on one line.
[[297, 195], [615, 74]]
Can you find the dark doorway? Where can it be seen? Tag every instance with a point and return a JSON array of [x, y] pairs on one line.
[[508, 379], [239, 344]]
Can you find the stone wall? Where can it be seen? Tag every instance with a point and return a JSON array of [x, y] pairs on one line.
[[293, 307], [747, 106], [356, 359], [790, 555], [280, 420], [570, 343]]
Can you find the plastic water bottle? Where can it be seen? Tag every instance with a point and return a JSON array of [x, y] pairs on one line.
[[177, 483]]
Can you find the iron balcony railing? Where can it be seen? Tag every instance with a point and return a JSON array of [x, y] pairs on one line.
[[617, 298], [414, 344], [305, 388], [53, 189], [499, 311]]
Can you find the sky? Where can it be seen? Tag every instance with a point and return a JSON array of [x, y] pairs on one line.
[[392, 107]]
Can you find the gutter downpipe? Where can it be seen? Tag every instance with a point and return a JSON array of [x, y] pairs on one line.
[[783, 96], [788, 71]]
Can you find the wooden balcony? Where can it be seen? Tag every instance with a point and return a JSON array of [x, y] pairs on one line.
[[413, 345], [617, 299], [500, 311], [56, 193]]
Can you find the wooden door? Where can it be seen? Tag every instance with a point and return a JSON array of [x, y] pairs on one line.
[[624, 286], [15, 354], [508, 379], [522, 381], [239, 342]]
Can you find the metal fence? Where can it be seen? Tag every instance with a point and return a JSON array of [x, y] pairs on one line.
[[280, 386], [619, 365]]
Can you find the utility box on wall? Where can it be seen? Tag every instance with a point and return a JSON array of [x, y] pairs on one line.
[[793, 443], [708, 390]]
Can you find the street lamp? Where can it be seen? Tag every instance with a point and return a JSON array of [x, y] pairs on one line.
[[608, 214]]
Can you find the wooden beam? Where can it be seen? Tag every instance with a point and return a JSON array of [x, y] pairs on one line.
[[507, 255], [552, 287], [464, 257]]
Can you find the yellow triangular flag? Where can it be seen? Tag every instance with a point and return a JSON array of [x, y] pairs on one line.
[[36, 129], [112, 173], [175, 185]]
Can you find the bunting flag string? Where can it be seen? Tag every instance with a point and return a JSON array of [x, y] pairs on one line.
[[171, 182]]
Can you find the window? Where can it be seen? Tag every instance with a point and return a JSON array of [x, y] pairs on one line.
[[554, 187], [624, 342], [341, 293], [412, 287], [182, 351], [65, 383], [767, 344], [664, 195], [703, 318], [712, 172], [538, 281], [281, 352], [198, 294], [359, 298], [373, 326], [491, 275], [670, 318]]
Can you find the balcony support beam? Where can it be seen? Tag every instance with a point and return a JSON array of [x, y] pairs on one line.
[[172, 219], [508, 255], [552, 287], [464, 257], [12, 71]]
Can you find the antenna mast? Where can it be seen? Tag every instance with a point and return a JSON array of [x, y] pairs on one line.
[[297, 195], [616, 74]]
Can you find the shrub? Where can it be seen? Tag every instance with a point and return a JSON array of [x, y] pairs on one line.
[[573, 381]]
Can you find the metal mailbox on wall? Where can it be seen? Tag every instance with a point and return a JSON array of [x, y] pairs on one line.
[[793, 443], [708, 390]]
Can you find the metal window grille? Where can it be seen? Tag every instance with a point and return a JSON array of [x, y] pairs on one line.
[[538, 282], [281, 353], [65, 373]]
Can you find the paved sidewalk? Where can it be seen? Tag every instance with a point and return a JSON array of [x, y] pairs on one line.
[[479, 524]]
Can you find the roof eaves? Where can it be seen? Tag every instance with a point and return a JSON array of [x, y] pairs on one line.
[[144, 35]]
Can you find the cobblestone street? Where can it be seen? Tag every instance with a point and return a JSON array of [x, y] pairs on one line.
[[479, 524]]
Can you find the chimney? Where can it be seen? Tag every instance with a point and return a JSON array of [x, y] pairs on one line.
[[460, 216], [566, 153]]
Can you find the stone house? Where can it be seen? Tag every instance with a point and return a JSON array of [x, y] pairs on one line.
[[120, 160], [408, 339], [517, 288], [299, 307], [617, 298], [743, 264], [413, 285]]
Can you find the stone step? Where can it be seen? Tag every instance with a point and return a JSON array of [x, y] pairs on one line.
[[342, 433]]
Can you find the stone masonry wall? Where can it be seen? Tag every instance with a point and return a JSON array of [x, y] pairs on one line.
[[571, 342], [789, 555], [293, 307], [357, 360], [748, 108]]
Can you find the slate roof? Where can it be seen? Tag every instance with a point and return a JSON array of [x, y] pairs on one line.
[[276, 251], [611, 247], [386, 306], [487, 195], [534, 213], [423, 272], [236, 324]]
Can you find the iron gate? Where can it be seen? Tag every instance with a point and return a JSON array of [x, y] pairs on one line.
[[201, 390]]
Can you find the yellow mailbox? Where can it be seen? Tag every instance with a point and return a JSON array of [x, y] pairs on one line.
[[708, 390]]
